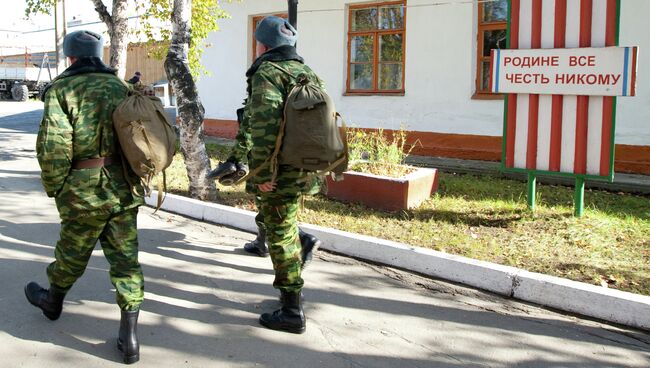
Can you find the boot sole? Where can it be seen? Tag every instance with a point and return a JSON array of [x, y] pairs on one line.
[[131, 359], [284, 328], [263, 255], [127, 359]]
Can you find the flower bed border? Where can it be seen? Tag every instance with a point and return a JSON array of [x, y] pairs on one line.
[[384, 193]]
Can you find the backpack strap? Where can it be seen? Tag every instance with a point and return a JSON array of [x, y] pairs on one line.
[[281, 69], [162, 191], [273, 159], [345, 156], [288, 72], [279, 139]]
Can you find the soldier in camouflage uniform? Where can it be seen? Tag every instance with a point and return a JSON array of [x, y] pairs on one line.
[[277, 199], [81, 168]]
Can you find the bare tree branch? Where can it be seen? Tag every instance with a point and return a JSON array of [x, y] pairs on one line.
[[103, 13]]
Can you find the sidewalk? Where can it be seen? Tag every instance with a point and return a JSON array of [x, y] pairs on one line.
[[204, 295], [588, 300]]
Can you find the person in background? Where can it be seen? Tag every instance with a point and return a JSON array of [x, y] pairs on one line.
[[136, 78]]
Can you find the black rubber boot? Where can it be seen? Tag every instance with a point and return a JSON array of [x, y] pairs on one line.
[[241, 170], [49, 301], [281, 299], [258, 246], [310, 244], [289, 318], [127, 341], [222, 169]]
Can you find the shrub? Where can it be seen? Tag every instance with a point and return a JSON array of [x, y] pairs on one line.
[[378, 153]]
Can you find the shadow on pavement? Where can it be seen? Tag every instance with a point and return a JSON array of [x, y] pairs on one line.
[[9, 153], [225, 328], [20, 182], [21, 121]]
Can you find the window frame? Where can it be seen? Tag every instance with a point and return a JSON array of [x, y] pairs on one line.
[[376, 33], [481, 27]]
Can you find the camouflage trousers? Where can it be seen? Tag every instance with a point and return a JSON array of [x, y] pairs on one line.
[[118, 237], [259, 219], [279, 213]]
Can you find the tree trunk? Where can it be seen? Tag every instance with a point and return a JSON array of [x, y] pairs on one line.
[[119, 37], [118, 27], [190, 109]]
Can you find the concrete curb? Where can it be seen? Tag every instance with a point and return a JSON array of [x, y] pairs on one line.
[[571, 296]]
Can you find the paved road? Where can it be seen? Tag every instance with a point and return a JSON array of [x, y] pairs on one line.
[[203, 297]]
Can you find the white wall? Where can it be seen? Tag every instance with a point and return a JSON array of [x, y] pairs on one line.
[[227, 60], [440, 68], [633, 113]]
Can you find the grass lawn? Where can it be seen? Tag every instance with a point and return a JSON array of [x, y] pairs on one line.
[[486, 218]]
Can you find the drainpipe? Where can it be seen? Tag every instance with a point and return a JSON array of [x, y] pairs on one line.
[[293, 13]]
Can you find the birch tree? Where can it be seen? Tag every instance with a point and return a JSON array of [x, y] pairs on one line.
[[117, 23], [191, 22], [190, 109]]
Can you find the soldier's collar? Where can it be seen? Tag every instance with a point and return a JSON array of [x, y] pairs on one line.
[[280, 53]]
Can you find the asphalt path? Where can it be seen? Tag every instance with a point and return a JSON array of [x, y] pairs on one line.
[[204, 295]]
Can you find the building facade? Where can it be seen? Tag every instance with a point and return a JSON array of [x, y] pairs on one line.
[[418, 65]]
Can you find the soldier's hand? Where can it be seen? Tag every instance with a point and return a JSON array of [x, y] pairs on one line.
[[269, 186]]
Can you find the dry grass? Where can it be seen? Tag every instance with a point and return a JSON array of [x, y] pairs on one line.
[[486, 218]]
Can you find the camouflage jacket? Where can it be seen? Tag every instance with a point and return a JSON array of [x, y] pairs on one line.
[[262, 116], [77, 124]]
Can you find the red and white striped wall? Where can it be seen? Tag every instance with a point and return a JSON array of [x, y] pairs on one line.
[[569, 134]]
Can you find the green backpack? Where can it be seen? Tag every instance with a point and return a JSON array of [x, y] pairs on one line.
[[309, 137], [147, 139]]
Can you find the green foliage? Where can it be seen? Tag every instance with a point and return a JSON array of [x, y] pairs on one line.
[[155, 10], [377, 152], [376, 146], [33, 7], [205, 14]]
